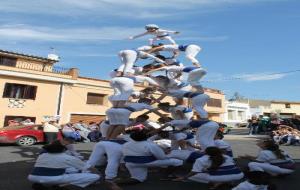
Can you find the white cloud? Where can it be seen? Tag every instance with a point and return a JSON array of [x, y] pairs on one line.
[[260, 76], [21, 32], [206, 38], [134, 9], [26, 32], [250, 77]]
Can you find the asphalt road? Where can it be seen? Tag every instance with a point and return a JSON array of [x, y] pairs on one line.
[[16, 162]]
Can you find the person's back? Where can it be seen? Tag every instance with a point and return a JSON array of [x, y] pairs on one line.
[[55, 167]]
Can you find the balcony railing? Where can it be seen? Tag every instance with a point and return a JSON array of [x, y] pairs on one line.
[[39, 67]]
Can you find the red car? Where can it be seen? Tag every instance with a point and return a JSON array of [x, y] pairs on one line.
[[23, 135]]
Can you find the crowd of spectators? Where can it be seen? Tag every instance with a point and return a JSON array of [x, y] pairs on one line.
[[283, 131]]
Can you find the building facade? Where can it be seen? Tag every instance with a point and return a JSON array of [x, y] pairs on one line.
[[284, 109], [236, 112], [34, 88]]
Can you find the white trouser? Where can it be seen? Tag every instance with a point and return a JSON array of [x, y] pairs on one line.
[[123, 88], [195, 76], [175, 145], [152, 40], [114, 156], [77, 179], [180, 154], [191, 52], [118, 116], [140, 171], [269, 168], [187, 88], [198, 103], [141, 79], [128, 58], [103, 130], [188, 115], [206, 133], [163, 143], [206, 178]]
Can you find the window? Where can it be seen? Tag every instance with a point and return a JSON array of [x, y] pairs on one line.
[[231, 115], [212, 102], [287, 105], [93, 98], [15, 120], [8, 61], [19, 91], [241, 115]]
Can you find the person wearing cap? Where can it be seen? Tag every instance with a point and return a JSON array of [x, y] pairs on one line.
[[159, 34]]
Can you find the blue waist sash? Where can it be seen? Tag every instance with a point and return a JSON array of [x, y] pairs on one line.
[[198, 123], [194, 156], [189, 69], [130, 109], [187, 110], [229, 153], [183, 84], [225, 170], [42, 171], [191, 94], [286, 165], [163, 35], [139, 159], [189, 136], [182, 47]]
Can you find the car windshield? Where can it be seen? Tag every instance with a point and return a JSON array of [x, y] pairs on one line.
[[13, 128]]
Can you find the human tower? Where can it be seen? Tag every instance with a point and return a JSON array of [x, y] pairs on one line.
[[165, 76], [169, 143]]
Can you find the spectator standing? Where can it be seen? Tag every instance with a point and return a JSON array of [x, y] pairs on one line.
[[83, 130], [253, 125], [95, 134], [51, 130]]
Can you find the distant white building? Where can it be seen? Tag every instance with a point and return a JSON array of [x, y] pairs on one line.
[[236, 112]]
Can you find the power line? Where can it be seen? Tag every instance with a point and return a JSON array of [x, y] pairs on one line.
[[248, 76]]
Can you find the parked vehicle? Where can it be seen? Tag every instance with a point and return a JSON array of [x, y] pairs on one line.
[[23, 135]]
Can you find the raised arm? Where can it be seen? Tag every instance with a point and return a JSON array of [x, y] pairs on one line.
[[170, 31], [155, 49], [139, 35], [148, 55]]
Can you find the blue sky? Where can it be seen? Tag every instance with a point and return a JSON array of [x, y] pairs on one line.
[[248, 39]]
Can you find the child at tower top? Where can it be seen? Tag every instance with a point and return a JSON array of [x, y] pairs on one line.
[[159, 34]]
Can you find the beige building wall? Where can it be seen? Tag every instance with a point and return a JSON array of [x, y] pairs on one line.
[[45, 103], [73, 89], [281, 107]]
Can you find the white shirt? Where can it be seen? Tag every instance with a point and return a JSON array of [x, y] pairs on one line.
[[59, 160], [143, 148], [246, 185], [103, 128], [269, 157], [203, 163], [48, 128]]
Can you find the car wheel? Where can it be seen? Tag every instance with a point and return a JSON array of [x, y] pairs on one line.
[[26, 141]]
